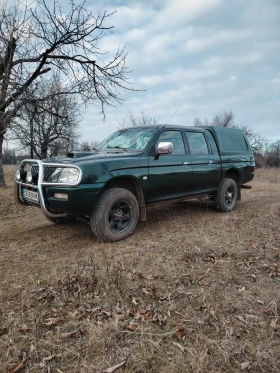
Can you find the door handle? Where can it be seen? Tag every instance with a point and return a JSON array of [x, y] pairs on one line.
[[210, 161], [185, 163]]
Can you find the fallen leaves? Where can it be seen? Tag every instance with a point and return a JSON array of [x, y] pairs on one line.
[[17, 367], [272, 271], [244, 365], [132, 327], [115, 367], [52, 322], [135, 301], [73, 334], [3, 331], [48, 359], [70, 310], [23, 329], [179, 346], [181, 334], [275, 324]]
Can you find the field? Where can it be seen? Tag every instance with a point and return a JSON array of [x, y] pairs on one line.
[[193, 290]]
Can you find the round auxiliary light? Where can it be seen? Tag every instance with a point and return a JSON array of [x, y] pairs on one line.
[[29, 176], [18, 175]]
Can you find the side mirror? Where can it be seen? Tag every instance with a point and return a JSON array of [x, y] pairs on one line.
[[165, 148]]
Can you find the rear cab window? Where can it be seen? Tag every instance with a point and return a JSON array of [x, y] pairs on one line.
[[197, 143]]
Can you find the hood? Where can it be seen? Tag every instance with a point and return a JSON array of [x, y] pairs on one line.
[[77, 157]]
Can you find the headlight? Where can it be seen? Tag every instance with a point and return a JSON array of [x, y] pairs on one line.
[[68, 175], [55, 175], [65, 175]]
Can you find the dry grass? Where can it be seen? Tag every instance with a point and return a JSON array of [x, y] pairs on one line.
[[192, 290]]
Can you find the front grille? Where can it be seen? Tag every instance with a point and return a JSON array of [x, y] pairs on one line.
[[48, 171], [35, 168]]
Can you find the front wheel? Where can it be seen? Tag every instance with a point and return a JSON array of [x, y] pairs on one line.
[[226, 196], [115, 215]]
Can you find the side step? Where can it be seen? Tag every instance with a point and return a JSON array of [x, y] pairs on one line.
[[246, 186]]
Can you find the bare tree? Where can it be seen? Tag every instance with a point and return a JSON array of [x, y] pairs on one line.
[[62, 146], [9, 155], [48, 127], [257, 142], [131, 120], [199, 122], [225, 119], [87, 146], [273, 154], [39, 38]]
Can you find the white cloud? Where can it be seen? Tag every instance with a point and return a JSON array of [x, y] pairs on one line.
[[180, 12], [149, 81], [179, 77], [275, 81], [216, 38], [133, 17], [136, 35], [196, 58]]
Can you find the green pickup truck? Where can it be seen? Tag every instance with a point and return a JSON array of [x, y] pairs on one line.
[[136, 168]]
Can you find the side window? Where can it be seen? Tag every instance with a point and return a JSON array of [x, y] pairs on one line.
[[176, 138], [197, 142], [213, 144]]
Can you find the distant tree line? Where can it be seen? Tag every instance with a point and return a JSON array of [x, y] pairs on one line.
[[52, 131]]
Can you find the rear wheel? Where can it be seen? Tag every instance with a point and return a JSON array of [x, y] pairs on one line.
[[115, 215], [226, 196]]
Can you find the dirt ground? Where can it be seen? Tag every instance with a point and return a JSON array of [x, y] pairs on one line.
[[193, 290]]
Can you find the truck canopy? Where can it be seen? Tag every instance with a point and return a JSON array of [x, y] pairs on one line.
[[229, 140]]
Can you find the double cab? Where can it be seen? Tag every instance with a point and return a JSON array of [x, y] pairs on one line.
[[112, 185]]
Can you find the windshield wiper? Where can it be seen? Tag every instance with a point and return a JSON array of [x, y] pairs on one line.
[[117, 147]]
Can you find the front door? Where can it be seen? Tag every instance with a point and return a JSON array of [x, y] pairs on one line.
[[170, 175]]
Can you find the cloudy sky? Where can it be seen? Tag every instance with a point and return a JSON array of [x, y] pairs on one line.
[[195, 58]]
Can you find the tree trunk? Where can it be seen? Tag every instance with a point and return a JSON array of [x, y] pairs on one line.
[[32, 133], [44, 153], [2, 179]]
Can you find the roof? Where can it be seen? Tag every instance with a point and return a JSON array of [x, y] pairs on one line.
[[172, 126]]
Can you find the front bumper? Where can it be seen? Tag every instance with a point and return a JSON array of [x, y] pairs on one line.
[[81, 197], [80, 202]]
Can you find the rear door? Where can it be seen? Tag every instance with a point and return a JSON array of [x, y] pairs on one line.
[[170, 175], [206, 163]]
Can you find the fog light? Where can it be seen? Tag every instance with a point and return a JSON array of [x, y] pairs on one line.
[[29, 176], [61, 196], [20, 174]]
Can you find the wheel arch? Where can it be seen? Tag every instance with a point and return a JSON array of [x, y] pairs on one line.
[[131, 184]]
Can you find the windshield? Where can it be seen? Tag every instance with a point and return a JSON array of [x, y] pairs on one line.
[[132, 139]]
